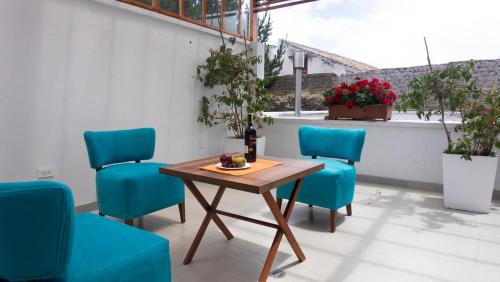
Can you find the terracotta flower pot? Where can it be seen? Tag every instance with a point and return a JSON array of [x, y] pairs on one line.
[[378, 111]]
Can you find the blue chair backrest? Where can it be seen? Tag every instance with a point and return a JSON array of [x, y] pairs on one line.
[[332, 142], [36, 230], [118, 146]]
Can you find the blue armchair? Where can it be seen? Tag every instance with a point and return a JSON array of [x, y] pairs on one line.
[[41, 239], [129, 190], [332, 187]]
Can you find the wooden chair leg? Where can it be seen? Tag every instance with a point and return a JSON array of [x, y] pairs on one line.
[[333, 220], [279, 201], [349, 209], [129, 222], [182, 212]]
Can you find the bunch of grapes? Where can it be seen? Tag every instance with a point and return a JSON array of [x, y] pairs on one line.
[[230, 162]]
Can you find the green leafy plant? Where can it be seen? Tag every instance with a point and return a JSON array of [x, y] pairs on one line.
[[481, 127], [435, 93], [274, 65], [241, 91]]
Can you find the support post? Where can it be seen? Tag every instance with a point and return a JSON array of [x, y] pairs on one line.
[[298, 65]]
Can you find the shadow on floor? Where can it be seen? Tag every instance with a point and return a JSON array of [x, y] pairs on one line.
[[245, 259], [310, 218], [429, 209], [154, 223]]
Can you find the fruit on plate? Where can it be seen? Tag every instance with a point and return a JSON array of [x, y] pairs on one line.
[[230, 162], [239, 161], [226, 160]]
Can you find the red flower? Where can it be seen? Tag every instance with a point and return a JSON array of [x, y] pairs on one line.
[[362, 83], [337, 99], [377, 92]]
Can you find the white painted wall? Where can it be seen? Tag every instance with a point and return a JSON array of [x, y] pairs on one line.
[[402, 150], [67, 66], [319, 65], [315, 64], [287, 61]]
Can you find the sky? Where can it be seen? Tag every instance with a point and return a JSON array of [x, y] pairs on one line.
[[389, 33]]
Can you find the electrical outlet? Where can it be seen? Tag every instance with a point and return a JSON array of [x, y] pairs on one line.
[[45, 172]]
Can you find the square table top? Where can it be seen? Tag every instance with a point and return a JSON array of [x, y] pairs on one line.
[[257, 182]]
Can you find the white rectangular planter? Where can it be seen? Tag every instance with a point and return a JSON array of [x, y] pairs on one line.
[[468, 185], [232, 145]]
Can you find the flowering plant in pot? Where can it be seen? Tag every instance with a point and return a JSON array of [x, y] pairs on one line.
[[469, 161], [363, 99]]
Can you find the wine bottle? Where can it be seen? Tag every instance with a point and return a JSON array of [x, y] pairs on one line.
[[250, 141]]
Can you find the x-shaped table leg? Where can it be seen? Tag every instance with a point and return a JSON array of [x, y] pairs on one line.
[[211, 215], [282, 220]]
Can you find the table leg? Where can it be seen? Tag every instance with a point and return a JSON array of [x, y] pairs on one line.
[[211, 215], [203, 202], [282, 220]]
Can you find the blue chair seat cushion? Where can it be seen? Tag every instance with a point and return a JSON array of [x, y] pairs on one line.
[[130, 190], [106, 250], [331, 187]]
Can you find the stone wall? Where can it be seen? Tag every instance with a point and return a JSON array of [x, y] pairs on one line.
[[313, 85]]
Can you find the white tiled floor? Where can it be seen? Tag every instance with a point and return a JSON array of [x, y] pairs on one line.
[[394, 235]]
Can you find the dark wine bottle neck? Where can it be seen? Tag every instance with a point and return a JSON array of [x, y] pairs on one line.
[[250, 122]]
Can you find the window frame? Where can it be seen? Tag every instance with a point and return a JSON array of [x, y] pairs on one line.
[[203, 22]]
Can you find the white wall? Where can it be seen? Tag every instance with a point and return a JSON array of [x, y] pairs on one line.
[[395, 150], [287, 61], [67, 66], [315, 64]]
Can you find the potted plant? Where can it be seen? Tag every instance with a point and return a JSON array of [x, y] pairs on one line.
[[469, 162], [241, 92], [469, 185], [360, 100]]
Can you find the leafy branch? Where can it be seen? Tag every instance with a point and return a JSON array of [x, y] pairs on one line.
[[449, 89], [274, 65], [241, 91]]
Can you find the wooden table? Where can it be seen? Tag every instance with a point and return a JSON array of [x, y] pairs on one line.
[[260, 182]]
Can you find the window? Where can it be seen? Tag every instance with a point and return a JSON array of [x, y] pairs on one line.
[[306, 60], [213, 16], [169, 5], [192, 9], [235, 16], [245, 17], [231, 16]]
